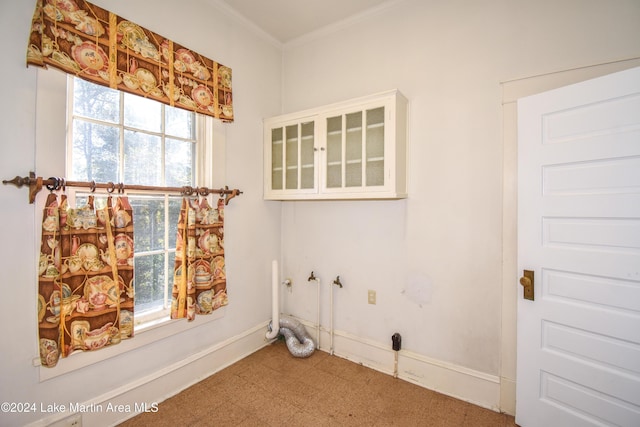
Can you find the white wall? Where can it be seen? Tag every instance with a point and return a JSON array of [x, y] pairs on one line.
[[435, 259], [252, 226]]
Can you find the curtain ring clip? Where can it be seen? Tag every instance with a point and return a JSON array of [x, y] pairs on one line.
[[55, 185], [121, 188], [92, 186], [111, 187], [63, 184]]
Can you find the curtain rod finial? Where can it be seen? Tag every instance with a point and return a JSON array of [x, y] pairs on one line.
[[19, 181], [35, 184]]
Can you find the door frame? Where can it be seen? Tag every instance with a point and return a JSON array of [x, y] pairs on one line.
[[512, 90]]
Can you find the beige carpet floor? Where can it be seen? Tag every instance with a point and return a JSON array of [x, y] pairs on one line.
[[272, 388]]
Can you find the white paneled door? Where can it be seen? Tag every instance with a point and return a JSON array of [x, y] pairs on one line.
[[578, 361]]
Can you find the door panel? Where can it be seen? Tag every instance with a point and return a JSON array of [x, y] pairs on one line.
[[579, 231]]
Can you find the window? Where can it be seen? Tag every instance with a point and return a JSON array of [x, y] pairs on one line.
[[118, 137]]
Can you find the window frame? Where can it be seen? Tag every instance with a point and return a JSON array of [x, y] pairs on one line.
[[52, 114], [152, 316]]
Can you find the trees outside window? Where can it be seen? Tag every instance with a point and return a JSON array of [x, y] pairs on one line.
[[119, 137]]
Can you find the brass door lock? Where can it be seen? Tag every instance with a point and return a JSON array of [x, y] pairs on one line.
[[527, 282]]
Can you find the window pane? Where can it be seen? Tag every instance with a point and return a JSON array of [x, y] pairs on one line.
[[178, 167], [95, 152], [98, 102], [149, 223], [170, 273], [99, 202], [142, 113], [171, 265], [174, 213], [179, 122], [149, 281], [142, 159]]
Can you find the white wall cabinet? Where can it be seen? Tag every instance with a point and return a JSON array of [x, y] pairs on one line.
[[355, 149]]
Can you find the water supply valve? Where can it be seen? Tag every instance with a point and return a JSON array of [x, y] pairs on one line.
[[396, 339]]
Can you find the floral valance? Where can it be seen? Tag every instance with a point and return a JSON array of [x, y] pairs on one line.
[[92, 43]]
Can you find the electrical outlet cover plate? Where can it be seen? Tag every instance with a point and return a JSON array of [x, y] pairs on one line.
[[372, 297]]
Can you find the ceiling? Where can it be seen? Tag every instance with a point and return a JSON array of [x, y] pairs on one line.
[[287, 20]]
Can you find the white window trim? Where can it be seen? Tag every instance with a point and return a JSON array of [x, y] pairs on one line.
[[51, 86]]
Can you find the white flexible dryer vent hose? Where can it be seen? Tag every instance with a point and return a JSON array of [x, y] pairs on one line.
[[298, 341]]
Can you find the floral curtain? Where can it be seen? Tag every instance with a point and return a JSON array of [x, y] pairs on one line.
[[92, 43], [199, 252], [85, 285]]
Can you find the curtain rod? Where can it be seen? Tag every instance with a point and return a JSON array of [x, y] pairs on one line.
[[35, 184]]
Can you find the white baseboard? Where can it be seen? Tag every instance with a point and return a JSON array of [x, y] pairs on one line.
[[118, 405], [466, 384], [456, 381], [462, 383]]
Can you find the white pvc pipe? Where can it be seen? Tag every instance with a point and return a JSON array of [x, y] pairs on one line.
[[275, 298], [331, 318], [395, 365], [318, 313]]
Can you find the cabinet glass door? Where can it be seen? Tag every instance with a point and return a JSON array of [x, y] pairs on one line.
[[355, 149], [293, 157]]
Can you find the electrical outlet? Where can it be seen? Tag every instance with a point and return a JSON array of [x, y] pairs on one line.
[[371, 297]]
